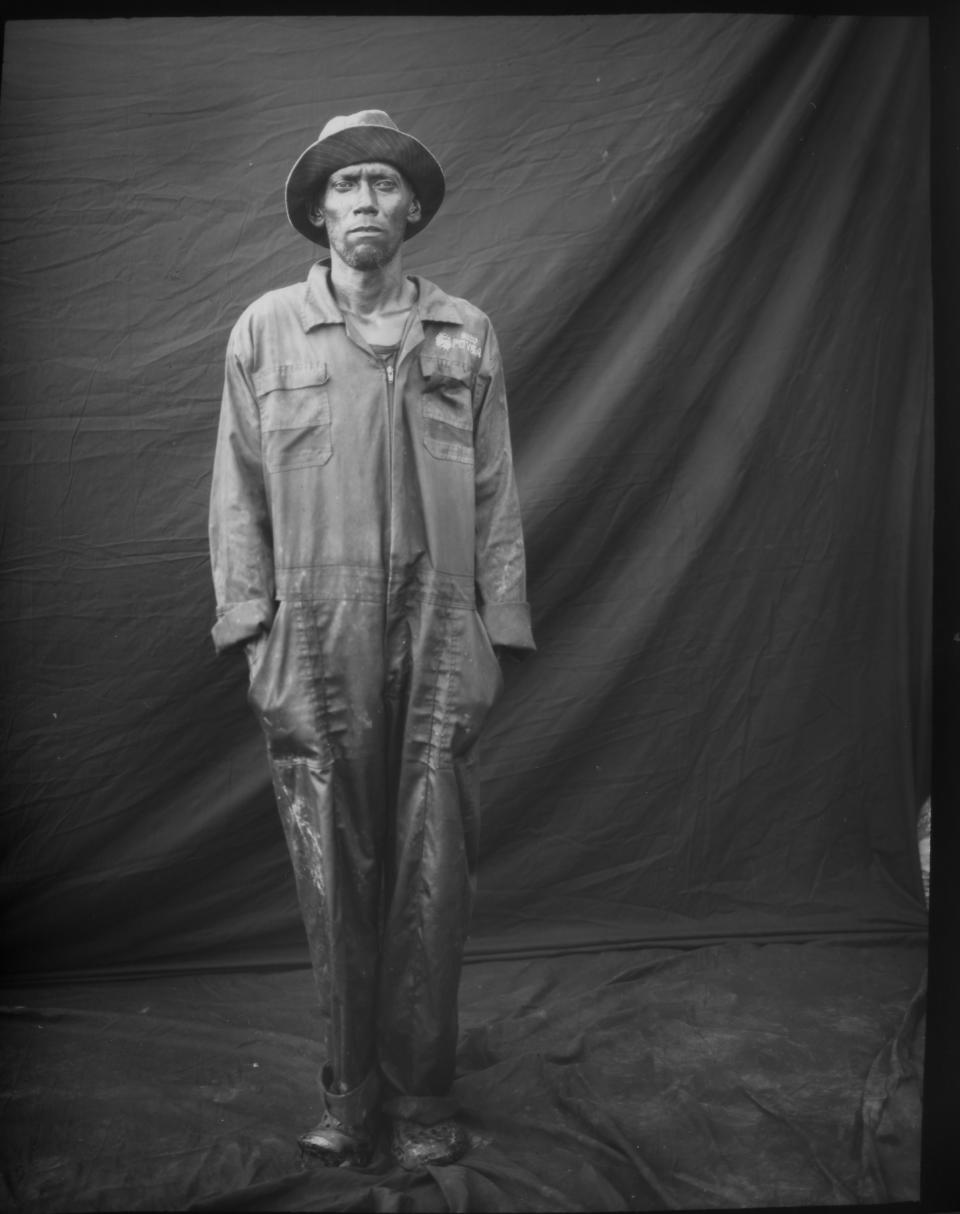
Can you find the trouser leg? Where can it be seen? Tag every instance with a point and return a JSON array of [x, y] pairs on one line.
[[317, 692], [453, 679], [334, 858]]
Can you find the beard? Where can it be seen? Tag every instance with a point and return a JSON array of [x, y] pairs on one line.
[[365, 258], [367, 254]]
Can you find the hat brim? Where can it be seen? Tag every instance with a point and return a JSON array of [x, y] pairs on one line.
[[355, 146]]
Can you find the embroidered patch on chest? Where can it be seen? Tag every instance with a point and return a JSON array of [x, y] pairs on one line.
[[446, 343]]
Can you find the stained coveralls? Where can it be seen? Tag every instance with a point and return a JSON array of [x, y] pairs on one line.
[[365, 524]]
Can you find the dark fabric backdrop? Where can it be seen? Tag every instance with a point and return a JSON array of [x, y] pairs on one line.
[[704, 243]]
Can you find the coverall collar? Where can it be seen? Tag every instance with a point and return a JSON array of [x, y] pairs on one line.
[[320, 307]]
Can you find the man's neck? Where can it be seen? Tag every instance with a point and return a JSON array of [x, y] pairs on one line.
[[371, 293]]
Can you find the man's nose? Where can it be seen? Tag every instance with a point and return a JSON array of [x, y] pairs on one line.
[[366, 198]]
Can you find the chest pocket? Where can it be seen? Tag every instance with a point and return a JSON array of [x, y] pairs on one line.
[[295, 415], [446, 406]]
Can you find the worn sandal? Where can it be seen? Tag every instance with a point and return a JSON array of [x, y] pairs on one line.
[[416, 1146], [337, 1145], [346, 1133]]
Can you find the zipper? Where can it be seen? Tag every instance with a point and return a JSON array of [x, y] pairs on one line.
[[389, 373]]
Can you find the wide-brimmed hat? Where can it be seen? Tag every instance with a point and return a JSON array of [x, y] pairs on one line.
[[353, 139]]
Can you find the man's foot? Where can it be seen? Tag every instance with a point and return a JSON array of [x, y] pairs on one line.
[[415, 1146], [345, 1134], [337, 1145]]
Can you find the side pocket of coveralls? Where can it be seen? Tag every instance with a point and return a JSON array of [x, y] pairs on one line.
[[257, 651], [446, 408], [253, 650], [280, 688], [480, 685], [295, 415]]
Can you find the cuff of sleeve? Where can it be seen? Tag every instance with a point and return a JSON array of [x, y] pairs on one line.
[[241, 622], [508, 625]]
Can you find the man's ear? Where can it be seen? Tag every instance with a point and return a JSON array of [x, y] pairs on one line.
[[413, 211], [315, 214]]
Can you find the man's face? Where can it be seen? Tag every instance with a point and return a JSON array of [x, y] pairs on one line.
[[366, 208]]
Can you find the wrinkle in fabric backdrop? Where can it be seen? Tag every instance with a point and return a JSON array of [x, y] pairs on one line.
[[703, 242]]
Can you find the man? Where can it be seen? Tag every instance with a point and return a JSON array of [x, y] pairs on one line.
[[367, 553]]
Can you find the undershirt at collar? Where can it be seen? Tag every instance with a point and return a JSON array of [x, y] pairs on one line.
[[364, 330]]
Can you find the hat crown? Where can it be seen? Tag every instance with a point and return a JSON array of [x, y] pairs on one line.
[[343, 122]]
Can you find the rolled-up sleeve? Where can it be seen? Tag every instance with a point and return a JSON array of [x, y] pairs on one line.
[[241, 543], [500, 558]]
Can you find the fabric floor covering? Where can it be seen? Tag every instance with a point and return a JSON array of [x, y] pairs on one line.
[[735, 1075]]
